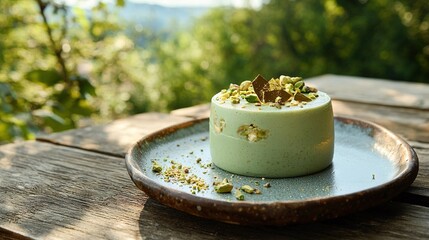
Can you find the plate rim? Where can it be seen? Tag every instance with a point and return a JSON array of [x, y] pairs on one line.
[[278, 211]]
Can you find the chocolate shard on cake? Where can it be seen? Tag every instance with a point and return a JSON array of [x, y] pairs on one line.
[[301, 97], [262, 89], [259, 84], [272, 96]]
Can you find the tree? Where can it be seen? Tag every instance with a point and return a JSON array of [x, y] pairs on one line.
[[59, 65], [379, 39]]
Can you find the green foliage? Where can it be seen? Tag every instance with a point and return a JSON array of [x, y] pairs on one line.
[[60, 65], [379, 38], [309, 38]]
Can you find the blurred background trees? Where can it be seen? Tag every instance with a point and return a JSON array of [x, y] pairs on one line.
[[63, 67]]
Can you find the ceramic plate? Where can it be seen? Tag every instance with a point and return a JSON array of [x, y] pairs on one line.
[[371, 165]]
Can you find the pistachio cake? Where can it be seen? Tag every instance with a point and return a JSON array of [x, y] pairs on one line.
[[275, 128]]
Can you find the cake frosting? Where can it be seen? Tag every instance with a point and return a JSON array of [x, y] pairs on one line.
[[263, 134]]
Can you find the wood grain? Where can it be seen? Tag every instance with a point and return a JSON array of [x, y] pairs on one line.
[[390, 221], [56, 192], [373, 91], [116, 137], [421, 184], [411, 124], [197, 111]]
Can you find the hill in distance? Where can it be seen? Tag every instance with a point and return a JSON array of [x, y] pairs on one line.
[[157, 17]]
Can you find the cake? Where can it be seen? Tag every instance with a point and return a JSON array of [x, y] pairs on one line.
[[276, 128]]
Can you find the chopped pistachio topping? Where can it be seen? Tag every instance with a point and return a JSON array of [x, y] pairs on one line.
[[247, 189], [239, 195], [223, 187], [181, 174], [252, 132], [276, 92], [252, 98], [245, 85], [156, 167]]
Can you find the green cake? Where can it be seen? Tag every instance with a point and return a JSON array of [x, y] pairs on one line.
[[275, 128]]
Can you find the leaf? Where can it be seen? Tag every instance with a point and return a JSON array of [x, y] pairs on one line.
[[81, 107], [85, 87], [120, 3], [81, 18], [26, 132], [6, 107], [6, 90], [53, 121], [47, 77], [100, 6], [5, 134], [43, 113]]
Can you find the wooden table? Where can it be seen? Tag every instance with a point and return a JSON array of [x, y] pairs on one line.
[[74, 185]]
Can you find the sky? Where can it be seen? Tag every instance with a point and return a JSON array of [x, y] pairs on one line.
[[175, 3]]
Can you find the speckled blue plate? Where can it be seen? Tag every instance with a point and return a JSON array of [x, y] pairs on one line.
[[371, 165]]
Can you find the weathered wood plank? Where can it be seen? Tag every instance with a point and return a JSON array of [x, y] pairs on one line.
[[409, 123], [56, 192], [421, 184], [374, 91], [390, 221], [116, 137], [197, 111], [418, 192]]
